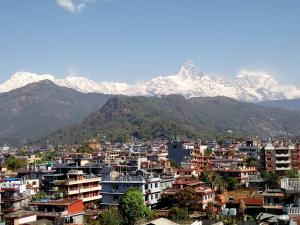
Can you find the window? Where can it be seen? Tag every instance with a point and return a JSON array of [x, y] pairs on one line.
[[115, 187], [156, 185]]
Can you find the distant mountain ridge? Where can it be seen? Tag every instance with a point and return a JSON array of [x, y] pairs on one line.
[[289, 104], [39, 109], [190, 82], [169, 116]]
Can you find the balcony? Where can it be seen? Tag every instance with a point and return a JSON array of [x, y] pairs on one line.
[[51, 214], [83, 190], [72, 192], [153, 190], [282, 155], [14, 198], [92, 198], [273, 206], [283, 168], [293, 210], [290, 185], [283, 161], [151, 202], [72, 182]]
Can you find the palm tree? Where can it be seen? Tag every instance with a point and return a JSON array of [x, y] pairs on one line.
[[219, 183], [215, 181]]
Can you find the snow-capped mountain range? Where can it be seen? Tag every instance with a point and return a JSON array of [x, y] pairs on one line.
[[189, 81]]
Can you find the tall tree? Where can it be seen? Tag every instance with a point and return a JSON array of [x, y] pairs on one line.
[[14, 163], [271, 179], [215, 181], [292, 174], [132, 206], [232, 183], [186, 198], [110, 216], [219, 183]]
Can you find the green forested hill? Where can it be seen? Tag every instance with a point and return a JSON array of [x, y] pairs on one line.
[[168, 116], [38, 109]]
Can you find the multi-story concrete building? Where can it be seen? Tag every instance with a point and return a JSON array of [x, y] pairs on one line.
[[115, 184], [241, 172], [78, 185], [292, 186], [68, 211], [13, 195], [280, 158], [250, 148]]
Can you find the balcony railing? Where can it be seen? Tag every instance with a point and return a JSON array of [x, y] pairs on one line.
[[293, 210], [273, 205], [70, 182], [51, 214], [13, 198], [282, 155], [283, 168], [291, 185], [283, 161], [92, 198]]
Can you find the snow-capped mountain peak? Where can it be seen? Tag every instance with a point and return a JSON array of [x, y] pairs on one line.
[[188, 70], [257, 79], [21, 79], [189, 81]]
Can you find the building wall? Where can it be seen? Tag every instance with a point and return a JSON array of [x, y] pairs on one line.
[[76, 207], [177, 152], [25, 220]]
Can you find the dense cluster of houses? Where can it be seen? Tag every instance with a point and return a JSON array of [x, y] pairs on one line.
[[72, 185]]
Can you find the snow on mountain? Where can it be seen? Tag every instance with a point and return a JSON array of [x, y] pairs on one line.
[[189, 81], [21, 79]]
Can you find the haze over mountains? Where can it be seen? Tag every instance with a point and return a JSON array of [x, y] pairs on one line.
[[189, 81]]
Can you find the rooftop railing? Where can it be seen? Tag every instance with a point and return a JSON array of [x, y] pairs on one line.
[[290, 184]]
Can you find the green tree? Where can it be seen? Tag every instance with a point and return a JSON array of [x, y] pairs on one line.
[[215, 181], [292, 174], [85, 149], [251, 161], [39, 195], [14, 163], [271, 179], [90, 221], [209, 210], [132, 206], [46, 156], [208, 151], [110, 216], [219, 183], [229, 220], [177, 213], [232, 183], [208, 177], [186, 198]]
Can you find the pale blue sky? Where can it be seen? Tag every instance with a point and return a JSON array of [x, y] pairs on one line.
[[133, 40]]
